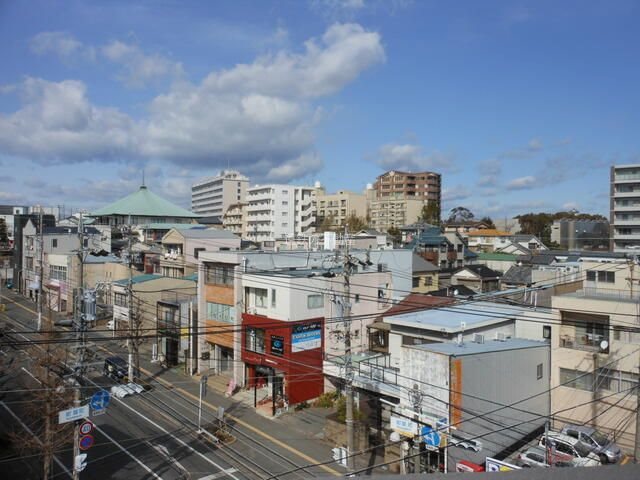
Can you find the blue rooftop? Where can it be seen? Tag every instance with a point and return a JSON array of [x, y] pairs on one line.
[[472, 348], [147, 277], [448, 318]]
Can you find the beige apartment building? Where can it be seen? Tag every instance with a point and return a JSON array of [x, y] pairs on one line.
[[594, 351], [339, 206], [388, 213], [213, 195], [235, 219]]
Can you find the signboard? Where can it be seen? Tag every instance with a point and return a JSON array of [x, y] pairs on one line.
[[85, 442], [306, 337], [100, 400], [493, 465], [277, 345], [404, 426], [430, 437], [86, 428], [73, 414]]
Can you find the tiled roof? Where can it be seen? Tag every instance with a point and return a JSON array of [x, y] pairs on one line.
[[481, 270], [417, 301], [488, 232], [517, 275], [143, 203], [504, 257]]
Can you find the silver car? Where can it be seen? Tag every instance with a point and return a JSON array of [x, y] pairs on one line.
[[535, 457], [599, 444]]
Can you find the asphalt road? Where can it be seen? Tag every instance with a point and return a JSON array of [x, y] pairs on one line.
[[154, 434]]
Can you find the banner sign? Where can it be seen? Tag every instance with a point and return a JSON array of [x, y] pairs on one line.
[[404, 426], [306, 337], [277, 345]]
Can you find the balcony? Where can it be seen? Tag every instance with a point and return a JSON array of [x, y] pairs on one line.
[[626, 236], [628, 194], [631, 222], [608, 293], [588, 342], [627, 177]]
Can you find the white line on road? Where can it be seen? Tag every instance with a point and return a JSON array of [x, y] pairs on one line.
[[57, 460], [164, 430], [164, 451], [137, 460]]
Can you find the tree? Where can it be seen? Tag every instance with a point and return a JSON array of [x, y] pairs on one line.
[[327, 224], [430, 214], [3, 231], [460, 214], [395, 234], [488, 222], [355, 223]]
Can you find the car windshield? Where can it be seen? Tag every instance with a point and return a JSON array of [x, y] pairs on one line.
[[599, 438], [582, 449]]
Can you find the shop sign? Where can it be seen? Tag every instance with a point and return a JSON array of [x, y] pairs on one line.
[[277, 345], [306, 337], [404, 426]]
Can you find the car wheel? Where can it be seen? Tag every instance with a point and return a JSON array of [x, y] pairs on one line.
[[604, 459]]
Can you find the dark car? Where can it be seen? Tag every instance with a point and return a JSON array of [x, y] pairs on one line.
[[116, 368]]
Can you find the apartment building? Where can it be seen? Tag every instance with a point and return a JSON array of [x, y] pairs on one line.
[[394, 212], [594, 347], [624, 215], [574, 234], [212, 196], [235, 219], [337, 207], [280, 211]]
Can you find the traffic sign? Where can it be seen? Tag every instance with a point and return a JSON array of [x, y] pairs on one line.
[[430, 437], [100, 400], [80, 462], [73, 414], [86, 428], [86, 442]]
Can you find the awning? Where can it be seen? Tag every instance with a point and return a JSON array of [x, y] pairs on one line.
[[380, 326]]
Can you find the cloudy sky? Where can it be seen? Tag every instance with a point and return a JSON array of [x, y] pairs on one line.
[[522, 106]]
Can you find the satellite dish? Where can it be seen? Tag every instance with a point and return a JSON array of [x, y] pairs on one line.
[[604, 345]]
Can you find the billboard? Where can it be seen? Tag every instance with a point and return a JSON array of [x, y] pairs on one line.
[[493, 465], [306, 337]]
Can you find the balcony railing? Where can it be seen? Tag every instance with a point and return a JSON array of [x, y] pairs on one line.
[[589, 342], [614, 294]]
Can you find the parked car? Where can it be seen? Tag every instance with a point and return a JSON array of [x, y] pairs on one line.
[[599, 443], [116, 368], [535, 457], [561, 443]]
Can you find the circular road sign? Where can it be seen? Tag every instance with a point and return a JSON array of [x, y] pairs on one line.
[[100, 400], [430, 437], [86, 428], [86, 442]]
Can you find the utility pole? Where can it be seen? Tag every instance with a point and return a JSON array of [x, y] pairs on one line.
[[41, 254], [348, 372], [132, 340]]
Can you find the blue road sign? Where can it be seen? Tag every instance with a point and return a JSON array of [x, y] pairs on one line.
[[100, 400], [430, 437], [86, 442]]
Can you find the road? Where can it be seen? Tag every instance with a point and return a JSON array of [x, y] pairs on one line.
[[154, 434]]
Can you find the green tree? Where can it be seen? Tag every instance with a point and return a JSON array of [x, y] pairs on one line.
[[326, 225], [395, 234], [488, 222], [355, 223], [430, 214], [460, 214], [3, 231]]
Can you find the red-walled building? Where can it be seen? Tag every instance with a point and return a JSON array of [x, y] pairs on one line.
[[287, 353]]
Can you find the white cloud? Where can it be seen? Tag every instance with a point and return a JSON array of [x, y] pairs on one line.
[[533, 147], [522, 183], [258, 117], [571, 206], [489, 172], [140, 68], [459, 192], [61, 44], [411, 157]]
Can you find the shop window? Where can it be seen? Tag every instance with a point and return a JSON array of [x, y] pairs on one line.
[[255, 340]]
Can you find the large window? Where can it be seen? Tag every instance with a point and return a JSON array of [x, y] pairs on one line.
[[255, 340], [219, 275], [601, 276], [120, 299], [261, 295], [221, 312], [614, 381], [576, 379], [57, 272], [315, 301]]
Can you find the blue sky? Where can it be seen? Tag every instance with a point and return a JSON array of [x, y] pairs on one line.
[[522, 106]]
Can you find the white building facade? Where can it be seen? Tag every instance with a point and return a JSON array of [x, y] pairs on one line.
[[625, 208], [213, 195]]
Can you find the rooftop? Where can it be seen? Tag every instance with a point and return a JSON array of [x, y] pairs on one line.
[[488, 232], [208, 233], [480, 270], [169, 226], [419, 264], [501, 257], [473, 348], [147, 277], [68, 231], [448, 319], [144, 203]]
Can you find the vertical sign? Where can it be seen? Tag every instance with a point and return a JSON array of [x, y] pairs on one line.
[[455, 393]]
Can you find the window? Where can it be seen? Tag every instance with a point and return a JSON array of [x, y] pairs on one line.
[[576, 379], [219, 275], [591, 275], [284, 214], [416, 282], [54, 243], [221, 312], [57, 272], [459, 248], [260, 297], [285, 203], [255, 340], [315, 301], [273, 298], [607, 277], [539, 371], [120, 299], [85, 243], [428, 281], [357, 298], [196, 251]]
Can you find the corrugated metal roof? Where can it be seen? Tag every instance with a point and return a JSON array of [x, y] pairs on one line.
[[208, 233], [144, 203], [147, 277], [472, 348]]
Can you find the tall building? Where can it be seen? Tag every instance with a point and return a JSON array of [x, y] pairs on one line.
[[625, 208], [280, 211], [396, 198], [213, 195], [337, 207], [575, 234]]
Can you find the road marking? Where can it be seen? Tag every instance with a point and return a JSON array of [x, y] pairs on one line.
[[213, 476], [166, 432], [235, 419], [55, 457], [164, 451], [135, 459]]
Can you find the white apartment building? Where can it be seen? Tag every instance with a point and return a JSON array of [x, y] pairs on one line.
[[213, 195], [280, 211], [625, 208]]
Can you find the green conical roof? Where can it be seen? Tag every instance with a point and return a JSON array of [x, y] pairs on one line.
[[143, 203]]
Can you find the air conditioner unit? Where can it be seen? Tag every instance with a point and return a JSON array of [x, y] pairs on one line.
[[501, 337], [478, 338]]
